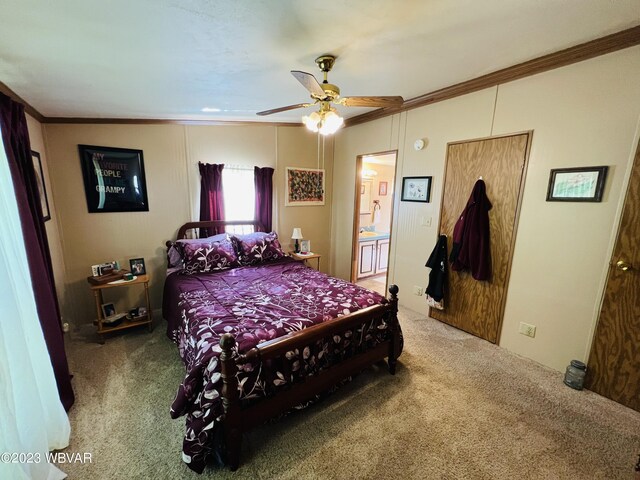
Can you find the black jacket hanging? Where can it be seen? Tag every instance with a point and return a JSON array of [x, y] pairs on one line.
[[438, 264]]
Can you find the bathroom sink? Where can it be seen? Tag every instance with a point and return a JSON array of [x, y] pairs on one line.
[[369, 234]]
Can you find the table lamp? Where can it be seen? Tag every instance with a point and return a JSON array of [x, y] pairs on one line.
[[297, 235]]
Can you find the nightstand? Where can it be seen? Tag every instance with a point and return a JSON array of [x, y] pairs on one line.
[[126, 323], [298, 256]]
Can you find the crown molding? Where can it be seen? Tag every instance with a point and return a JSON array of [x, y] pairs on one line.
[[594, 48], [160, 121]]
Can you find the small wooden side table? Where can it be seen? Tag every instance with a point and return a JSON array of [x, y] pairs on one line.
[[126, 323], [316, 256]]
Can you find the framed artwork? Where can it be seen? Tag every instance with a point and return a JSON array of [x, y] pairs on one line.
[[304, 186], [137, 266], [581, 184], [42, 189], [305, 246], [108, 310], [382, 189], [416, 189], [114, 179]]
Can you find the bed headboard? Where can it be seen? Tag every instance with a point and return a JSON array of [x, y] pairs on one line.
[[240, 227]]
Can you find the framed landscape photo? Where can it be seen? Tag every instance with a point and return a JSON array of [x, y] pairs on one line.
[[42, 189], [137, 266], [304, 187], [416, 189], [114, 179], [580, 184]]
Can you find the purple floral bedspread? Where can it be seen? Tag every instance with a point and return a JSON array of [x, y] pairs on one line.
[[255, 304]]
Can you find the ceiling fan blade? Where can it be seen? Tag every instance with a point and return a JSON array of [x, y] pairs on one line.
[[284, 109], [372, 101], [309, 82]]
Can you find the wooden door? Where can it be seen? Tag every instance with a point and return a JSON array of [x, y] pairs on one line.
[[614, 364], [475, 306]]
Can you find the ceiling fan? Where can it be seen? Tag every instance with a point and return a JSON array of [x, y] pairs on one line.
[[326, 120]]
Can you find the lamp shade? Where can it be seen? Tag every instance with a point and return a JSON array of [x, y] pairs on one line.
[[297, 234]]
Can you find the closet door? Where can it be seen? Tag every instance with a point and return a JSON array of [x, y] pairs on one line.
[[614, 363], [476, 306]]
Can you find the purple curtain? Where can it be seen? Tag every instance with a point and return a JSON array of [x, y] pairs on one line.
[[15, 135], [211, 197], [264, 195]]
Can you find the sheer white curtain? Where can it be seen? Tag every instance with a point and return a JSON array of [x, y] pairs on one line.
[[32, 419], [239, 191]]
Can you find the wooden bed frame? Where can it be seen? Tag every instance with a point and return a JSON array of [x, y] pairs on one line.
[[239, 418]]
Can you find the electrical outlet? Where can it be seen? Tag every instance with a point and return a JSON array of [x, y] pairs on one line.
[[528, 330], [417, 290]]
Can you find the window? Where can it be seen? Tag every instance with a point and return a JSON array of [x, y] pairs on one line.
[[239, 193]]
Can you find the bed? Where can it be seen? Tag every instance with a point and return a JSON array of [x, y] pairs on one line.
[[258, 341]]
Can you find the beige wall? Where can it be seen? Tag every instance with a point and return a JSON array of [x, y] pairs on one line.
[[372, 137], [36, 137], [171, 156], [583, 114]]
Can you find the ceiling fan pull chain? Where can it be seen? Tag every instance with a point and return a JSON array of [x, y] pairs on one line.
[[323, 172]]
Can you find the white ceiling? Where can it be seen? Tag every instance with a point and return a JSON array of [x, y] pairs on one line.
[[171, 58]]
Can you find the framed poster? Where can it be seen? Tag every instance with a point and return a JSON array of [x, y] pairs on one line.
[[304, 187], [416, 189], [42, 188], [114, 179], [581, 184]]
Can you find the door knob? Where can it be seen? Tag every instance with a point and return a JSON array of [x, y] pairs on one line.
[[622, 265]]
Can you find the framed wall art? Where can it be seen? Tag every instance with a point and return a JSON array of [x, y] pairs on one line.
[[580, 184], [42, 188], [416, 189], [114, 179], [382, 189], [304, 186]]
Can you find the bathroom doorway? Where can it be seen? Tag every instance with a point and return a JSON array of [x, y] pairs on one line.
[[373, 216]]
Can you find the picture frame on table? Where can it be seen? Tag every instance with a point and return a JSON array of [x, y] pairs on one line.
[[114, 179], [578, 184], [382, 189], [108, 310], [137, 266], [42, 188], [416, 189], [305, 246]]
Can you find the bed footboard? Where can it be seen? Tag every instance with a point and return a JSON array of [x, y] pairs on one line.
[[239, 418]]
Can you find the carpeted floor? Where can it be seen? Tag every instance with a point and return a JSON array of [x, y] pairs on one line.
[[458, 408]]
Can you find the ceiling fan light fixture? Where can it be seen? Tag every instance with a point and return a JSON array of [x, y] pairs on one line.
[[325, 122], [331, 122], [312, 121]]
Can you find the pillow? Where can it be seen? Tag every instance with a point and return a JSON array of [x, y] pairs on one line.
[[258, 247], [175, 253], [209, 256]]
